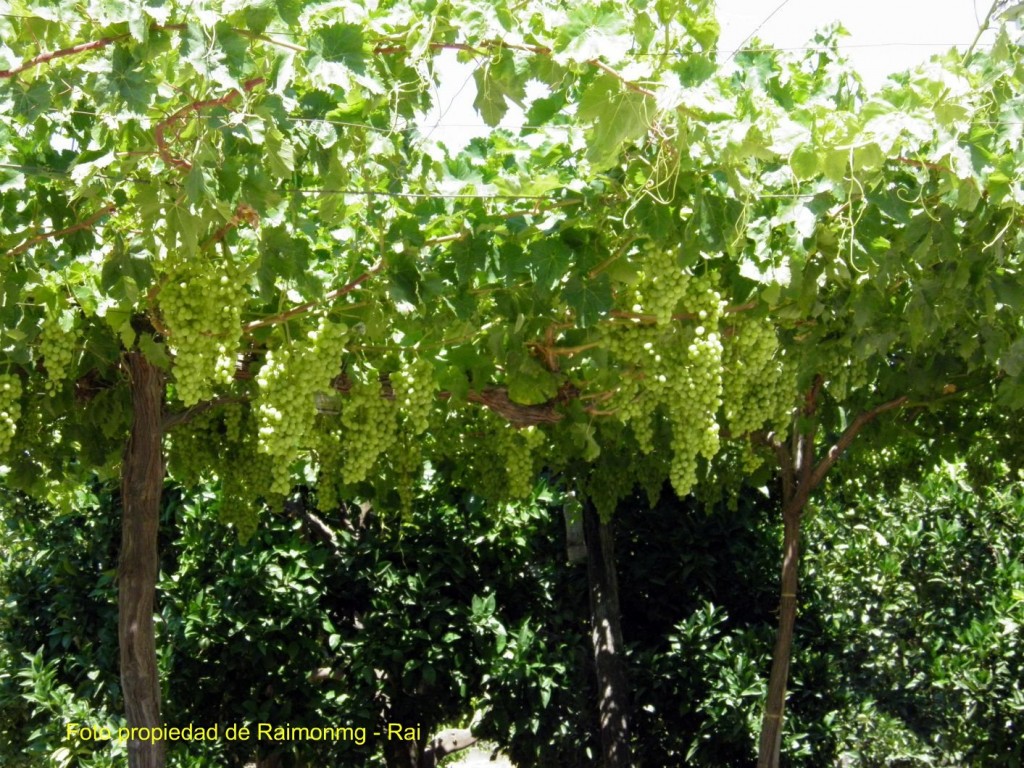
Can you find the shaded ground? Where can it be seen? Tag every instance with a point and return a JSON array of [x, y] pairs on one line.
[[480, 757]]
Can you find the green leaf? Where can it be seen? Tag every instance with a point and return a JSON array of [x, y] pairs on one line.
[[127, 83], [593, 33], [195, 185], [804, 162], [1012, 360], [490, 98], [618, 116], [529, 383], [335, 53], [121, 268], [280, 154], [155, 352], [590, 299]]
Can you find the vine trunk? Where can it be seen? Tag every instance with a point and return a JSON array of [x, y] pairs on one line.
[[142, 485]]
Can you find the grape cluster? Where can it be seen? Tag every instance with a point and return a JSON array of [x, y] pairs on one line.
[[370, 428], [246, 477], [517, 447], [848, 373], [202, 311], [758, 387], [57, 343], [288, 384], [413, 387], [239, 506], [408, 465], [193, 449], [638, 349], [329, 456], [673, 370], [663, 286], [10, 410]]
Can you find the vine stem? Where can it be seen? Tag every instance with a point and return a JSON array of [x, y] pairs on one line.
[[58, 233], [195, 106], [93, 45], [288, 314]]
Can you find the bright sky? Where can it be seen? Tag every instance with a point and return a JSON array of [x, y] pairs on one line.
[[885, 36]]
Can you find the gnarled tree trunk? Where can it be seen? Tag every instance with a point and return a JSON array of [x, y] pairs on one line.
[[606, 633], [142, 478]]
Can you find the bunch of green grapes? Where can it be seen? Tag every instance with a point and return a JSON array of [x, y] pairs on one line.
[[638, 349], [675, 370], [10, 409], [194, 449], [692, 407], [202, 310], [287, 385], [517, 447], [370, 428], [240, 504], [413, 386], [408, 466], [663, 286], [758, 384], [58, 341], [847, 374], [246, 475], [329, 457]]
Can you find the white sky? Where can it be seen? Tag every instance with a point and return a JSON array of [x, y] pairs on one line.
[[885, 36]]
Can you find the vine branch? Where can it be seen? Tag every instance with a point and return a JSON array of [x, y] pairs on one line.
[[188, 109], [44, 58], [846, 439], [59, 233], [282, 317]]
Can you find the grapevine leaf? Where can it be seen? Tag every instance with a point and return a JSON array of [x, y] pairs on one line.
[[618, 116], [593, 33], [529, 383], [155, 352], [589, 299]]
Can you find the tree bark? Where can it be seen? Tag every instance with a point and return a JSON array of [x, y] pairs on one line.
[[771, 728], [142, 478], [606, 633], [801, 475]]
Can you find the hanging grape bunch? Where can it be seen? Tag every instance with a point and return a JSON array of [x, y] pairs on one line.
[[10, 410]]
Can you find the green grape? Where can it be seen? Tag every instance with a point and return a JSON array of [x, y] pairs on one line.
[[202, 311], [758, 384], [193, 449], [413, 387], [663, 286], [246, 477], [329, 455], [673, 370], [10, 410], [408, 465], [58, 341], [238, 507], [286, 404], [370, 426], [517, 446]]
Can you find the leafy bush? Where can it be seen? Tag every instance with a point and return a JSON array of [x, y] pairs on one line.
[[920, 600], [427, 624]]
